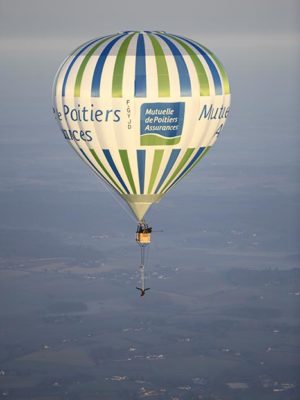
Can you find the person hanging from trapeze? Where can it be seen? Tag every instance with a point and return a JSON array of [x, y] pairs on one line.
[[142, 289]]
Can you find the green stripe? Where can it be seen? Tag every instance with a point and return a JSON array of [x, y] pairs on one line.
[[193, 166], [201, 73], [154, 140], [221, 69], [83, 66], [126, 165], [158, 155], [162, 68], [180, 166], [119, 68], [105, 170]]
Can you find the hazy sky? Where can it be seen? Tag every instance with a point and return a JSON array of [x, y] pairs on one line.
[[253, 168], [56, 18]]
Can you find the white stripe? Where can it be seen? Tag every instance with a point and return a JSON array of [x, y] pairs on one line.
[[129, 69], [151, 70], [108, 70], [172, 68]]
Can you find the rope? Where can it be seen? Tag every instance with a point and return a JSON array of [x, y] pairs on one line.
[[147, 255], [143, 277], [142, 255]]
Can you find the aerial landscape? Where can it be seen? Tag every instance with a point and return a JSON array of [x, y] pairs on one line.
[[74, 329], [221, 320]]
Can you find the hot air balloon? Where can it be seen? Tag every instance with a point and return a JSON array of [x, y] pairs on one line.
[[141, 109]]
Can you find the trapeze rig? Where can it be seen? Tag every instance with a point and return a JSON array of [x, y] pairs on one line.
[[143, 239]]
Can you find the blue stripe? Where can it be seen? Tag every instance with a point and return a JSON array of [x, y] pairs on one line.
[[141, 156], [114, 168], [100, 65], [190, 164], [171, 162], [140, 68], [93, 166], [184, 76], [74, 60], [212, 67]]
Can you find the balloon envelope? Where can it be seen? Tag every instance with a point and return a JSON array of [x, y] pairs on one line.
[[141, 109]]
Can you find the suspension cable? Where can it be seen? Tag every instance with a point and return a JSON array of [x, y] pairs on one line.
[[142, 255]]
